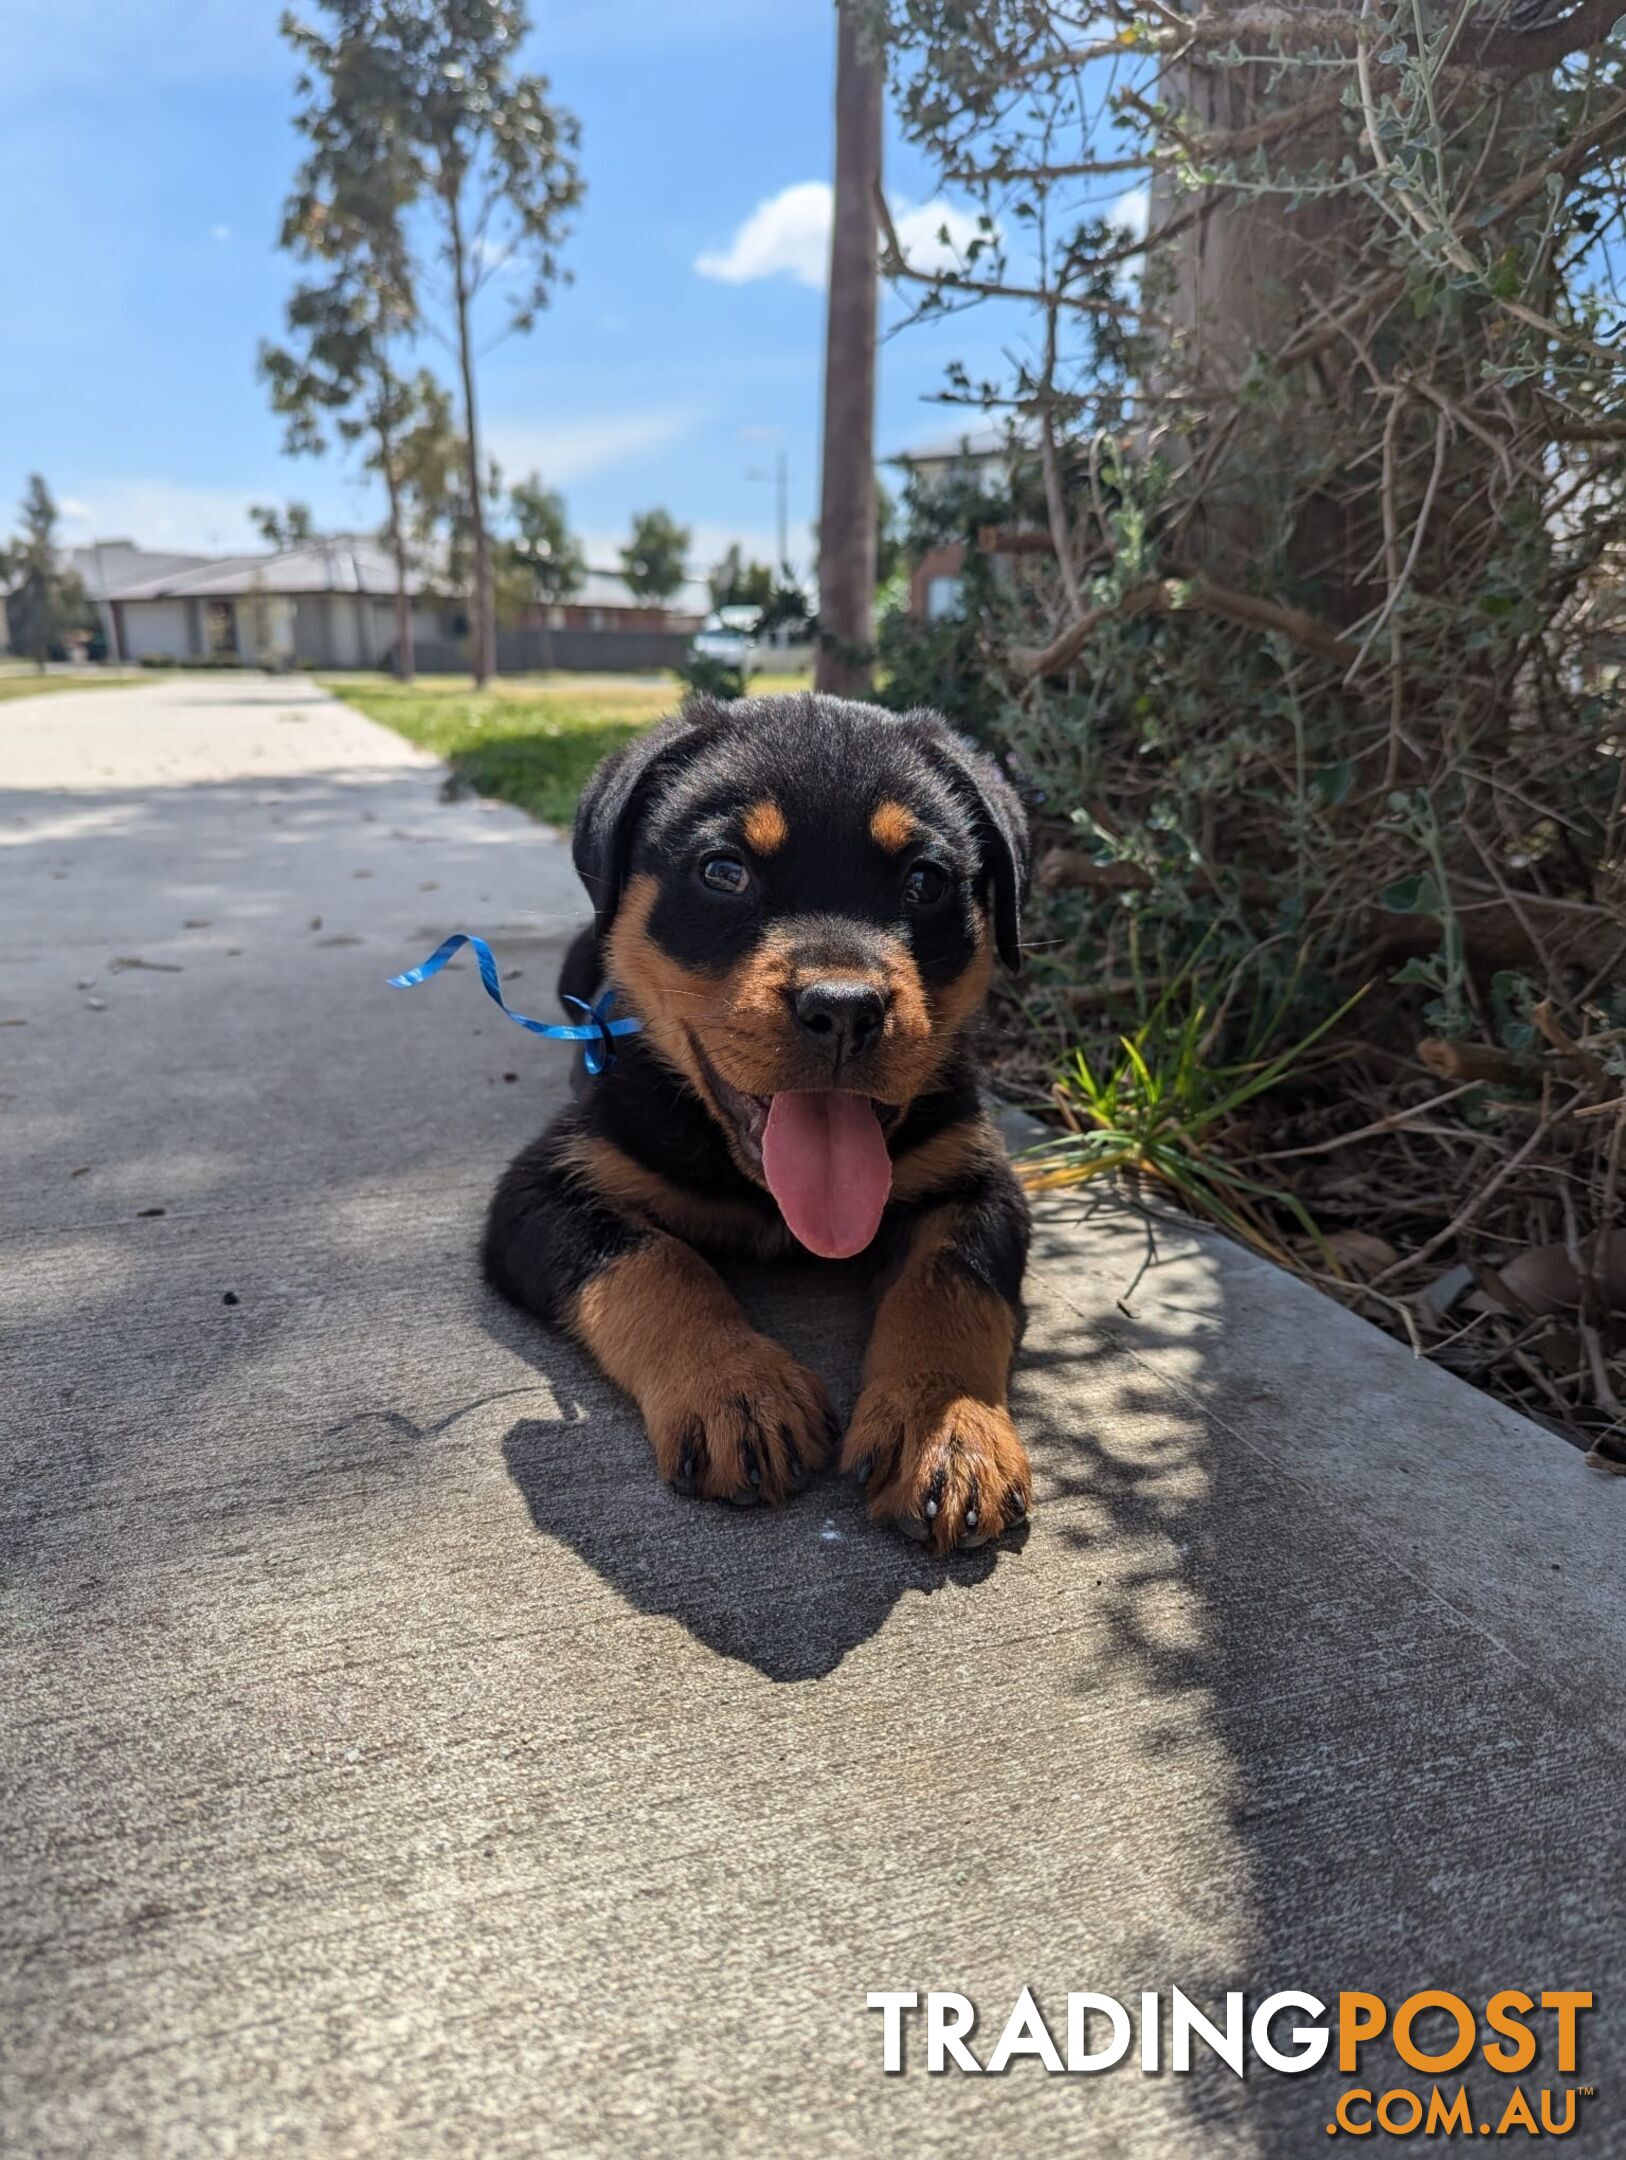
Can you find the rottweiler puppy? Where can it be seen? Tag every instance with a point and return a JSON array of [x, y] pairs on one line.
[[803, 900]]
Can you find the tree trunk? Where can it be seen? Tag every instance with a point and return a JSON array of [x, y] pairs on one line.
[[483, 629], [1241, 273], [847, 495], [1248, 277], [405, 658]]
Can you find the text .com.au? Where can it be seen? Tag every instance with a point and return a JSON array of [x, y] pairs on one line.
[[1432, 2061]]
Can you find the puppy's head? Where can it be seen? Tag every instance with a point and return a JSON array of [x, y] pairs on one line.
[[802, 899]]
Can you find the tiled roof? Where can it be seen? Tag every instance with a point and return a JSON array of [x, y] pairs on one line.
[[342, 563]]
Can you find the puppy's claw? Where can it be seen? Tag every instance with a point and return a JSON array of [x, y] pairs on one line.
[[691, 1467], [948, 1470], [752, 1432]]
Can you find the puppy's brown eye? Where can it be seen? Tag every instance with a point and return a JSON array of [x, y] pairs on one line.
[[925, 884], [725, 873]]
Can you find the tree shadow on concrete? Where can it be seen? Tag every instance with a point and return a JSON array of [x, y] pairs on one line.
[[1353, 1781]]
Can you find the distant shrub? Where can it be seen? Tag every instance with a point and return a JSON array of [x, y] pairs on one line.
[[705, 677], [203, 661]]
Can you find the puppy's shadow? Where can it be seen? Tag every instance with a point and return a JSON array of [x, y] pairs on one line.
[[787, 1590]]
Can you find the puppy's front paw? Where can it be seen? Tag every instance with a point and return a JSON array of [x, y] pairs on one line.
[[946, 1469], [745, 1425]]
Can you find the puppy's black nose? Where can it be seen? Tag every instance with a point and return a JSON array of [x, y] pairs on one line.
[[843, 1018]]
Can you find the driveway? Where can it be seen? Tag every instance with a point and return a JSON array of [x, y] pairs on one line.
[[392, 1767]]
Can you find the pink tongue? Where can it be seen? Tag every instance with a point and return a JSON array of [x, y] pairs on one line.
[[827, 1166]]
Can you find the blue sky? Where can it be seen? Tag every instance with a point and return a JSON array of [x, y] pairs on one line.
[[145, 149]]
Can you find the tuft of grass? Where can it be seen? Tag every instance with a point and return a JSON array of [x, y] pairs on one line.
[[1164, 1105], [528, 740]]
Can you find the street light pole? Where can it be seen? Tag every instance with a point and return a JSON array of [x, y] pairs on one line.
[[780, 476]]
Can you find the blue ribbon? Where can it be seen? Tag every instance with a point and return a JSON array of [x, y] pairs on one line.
[[597, 1032]]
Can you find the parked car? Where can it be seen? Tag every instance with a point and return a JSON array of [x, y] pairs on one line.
[[730, 637]]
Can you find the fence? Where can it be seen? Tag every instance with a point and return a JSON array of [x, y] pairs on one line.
[[523, 652]]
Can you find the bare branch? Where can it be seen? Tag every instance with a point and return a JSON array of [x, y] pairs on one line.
[[1170, 596]]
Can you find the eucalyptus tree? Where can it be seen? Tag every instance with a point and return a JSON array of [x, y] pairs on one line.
[[463, 173], [339, 373], [282, 525], [543, 546], [654, 560]]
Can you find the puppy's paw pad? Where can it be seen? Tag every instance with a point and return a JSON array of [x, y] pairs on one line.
[[753, 1426], [945, 1469]]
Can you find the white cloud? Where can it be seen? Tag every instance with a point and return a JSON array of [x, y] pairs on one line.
[[1130, 214], [788, 235], [1131, 211], [935, 236], [573, 449], [219, 232]]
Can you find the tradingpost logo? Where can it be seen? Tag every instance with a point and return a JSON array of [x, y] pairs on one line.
[[1491, 2068]]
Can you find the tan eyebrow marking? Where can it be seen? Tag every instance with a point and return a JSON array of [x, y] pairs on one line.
[[764, 827], [892, 826]]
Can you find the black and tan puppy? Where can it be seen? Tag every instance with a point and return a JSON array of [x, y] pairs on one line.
[[803, 901]]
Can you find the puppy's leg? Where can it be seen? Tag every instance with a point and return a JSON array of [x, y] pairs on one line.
[[931, 1438], [731, 1415]]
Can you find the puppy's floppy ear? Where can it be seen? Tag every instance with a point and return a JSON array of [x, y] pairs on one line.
[[1001, 822], [615, 798]]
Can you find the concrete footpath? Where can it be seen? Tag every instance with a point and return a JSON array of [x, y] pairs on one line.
[[390, 1766]]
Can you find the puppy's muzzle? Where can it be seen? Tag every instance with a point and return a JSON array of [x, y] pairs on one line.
[[840, 1019]]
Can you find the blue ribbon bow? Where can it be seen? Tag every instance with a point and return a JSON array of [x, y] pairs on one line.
[[597, 1032]]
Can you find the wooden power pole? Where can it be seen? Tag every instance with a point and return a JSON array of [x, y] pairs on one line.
[[847, 492]]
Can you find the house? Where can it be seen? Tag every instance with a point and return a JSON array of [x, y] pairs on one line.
[[326, 603], [605, 603], [601, 626], [330, 603], [991, 458]]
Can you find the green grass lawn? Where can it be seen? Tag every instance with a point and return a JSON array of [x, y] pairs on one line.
[[530, 740], [28, 682]]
